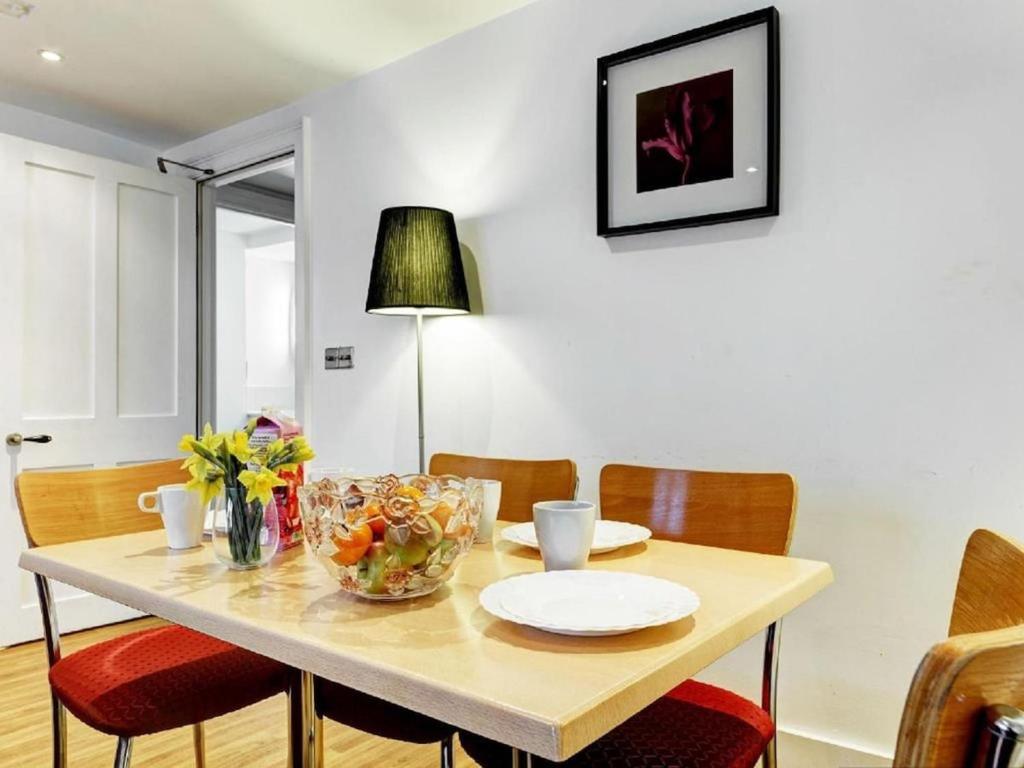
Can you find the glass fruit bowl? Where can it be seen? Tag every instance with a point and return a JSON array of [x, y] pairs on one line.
[[389, 537]]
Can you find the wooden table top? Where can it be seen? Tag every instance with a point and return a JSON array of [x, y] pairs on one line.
[[443, 655]]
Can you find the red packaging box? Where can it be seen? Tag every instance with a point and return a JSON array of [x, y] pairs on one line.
[[269, 427]]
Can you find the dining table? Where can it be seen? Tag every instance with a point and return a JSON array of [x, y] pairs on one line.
[[443, 655]]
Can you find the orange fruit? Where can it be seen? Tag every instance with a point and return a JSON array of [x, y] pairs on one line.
[[410, 493], [352, 545], [442, 514], [375, 519]]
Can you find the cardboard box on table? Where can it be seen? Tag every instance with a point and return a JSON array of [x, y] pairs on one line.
[[270, 426]]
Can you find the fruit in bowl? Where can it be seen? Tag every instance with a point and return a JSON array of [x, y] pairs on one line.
[[389, 537]]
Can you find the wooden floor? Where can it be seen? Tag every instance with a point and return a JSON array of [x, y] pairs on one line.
[[254, 738]]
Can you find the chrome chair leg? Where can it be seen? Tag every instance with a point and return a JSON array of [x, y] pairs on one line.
[[770, 686], [199, 744], [51, 633], [448, 752], [521, 759], [60, 734], [123, 758]]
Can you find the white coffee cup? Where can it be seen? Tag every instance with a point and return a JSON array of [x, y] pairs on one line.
[[489, 511], [565, 533], [182, 511]]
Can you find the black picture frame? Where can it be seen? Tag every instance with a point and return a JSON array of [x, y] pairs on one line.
[[768, 16]]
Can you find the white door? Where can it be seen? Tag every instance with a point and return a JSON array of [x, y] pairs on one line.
[[98, 350]]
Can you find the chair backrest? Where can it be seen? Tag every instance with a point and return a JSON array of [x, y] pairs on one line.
[[62, 506], [982, 664], [754, 512], [990, 590], [523, 482]]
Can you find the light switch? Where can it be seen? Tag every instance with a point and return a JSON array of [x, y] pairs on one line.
[[339, 357]]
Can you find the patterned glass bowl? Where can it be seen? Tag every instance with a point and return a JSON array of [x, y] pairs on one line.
[[390, 538]]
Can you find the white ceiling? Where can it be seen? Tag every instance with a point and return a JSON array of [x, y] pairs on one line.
[[164, 71]]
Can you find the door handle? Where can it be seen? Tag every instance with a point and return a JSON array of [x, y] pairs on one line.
[[15, 439]]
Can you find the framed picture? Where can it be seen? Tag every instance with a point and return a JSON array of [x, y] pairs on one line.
[[688, 128]]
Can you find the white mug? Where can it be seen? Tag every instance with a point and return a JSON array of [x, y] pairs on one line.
[[182, 511], [489, 511], [565, 533]]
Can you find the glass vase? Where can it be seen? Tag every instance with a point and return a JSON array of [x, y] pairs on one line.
[[245, 534]]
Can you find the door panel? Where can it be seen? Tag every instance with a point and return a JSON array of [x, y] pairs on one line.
[[99, 291], [57, 293], [147, 306]]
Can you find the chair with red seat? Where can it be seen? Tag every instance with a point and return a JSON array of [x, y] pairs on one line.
[[695, 724], [523, 483], [146, 681]]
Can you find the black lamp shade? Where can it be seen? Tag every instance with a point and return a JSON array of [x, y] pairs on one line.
[[417, 267]]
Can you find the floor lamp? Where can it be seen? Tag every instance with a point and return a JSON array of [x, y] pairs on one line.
[[417, 270]]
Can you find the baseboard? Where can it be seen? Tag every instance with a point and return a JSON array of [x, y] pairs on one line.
[[804, 750]]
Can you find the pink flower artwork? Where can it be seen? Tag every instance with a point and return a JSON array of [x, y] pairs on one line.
[[684, 133]]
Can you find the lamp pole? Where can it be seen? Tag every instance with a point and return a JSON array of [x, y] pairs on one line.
[[417, 270], [419, 384]]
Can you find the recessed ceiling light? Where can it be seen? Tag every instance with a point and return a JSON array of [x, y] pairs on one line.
[[51, 55], [15, 8], [752, 169]]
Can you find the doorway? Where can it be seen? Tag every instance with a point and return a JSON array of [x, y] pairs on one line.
[[252, 359]]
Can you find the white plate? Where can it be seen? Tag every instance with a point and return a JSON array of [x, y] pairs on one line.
[[588, 603], [609, 535]]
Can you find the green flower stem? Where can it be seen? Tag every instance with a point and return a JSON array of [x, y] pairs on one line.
[[254, 511], [245, 526]]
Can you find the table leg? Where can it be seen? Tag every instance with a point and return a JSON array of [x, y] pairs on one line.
[[521, 759], [302, 736]]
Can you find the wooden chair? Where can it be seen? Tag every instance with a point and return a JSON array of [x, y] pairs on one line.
[[745, 511], [980, 665], [523, 482], [142, 682], [733, 510]]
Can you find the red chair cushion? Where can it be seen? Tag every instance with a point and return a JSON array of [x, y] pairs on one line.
[[162, 678], [372, 715], [693, 726]]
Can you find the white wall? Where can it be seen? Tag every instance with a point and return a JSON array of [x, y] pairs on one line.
[[231, 336], [255, 321], [867, 340], [63, 133], [270, 326]]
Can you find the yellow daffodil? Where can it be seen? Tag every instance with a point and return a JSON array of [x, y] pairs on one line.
[[206, 446], [208, 489], [210, 440], [196, 465], [286, 457], [260, 484], [301, 449], [215, 459], [238, 446]]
